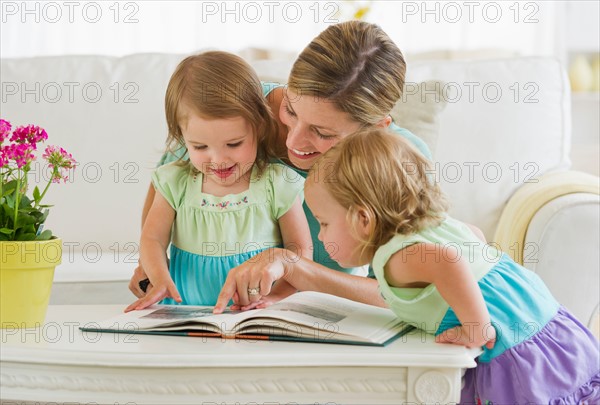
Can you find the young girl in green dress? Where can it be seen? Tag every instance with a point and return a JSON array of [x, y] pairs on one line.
[[226, 202]]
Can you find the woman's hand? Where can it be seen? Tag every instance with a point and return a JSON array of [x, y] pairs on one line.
[[164, 288], [134, 284], [257, 274], [264, 302], [460, 335]]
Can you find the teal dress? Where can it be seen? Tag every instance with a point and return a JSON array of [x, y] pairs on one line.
[[542, 354], [320, 255], [211, 235]]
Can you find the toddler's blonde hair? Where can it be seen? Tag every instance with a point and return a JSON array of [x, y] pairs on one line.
[[382, 173]]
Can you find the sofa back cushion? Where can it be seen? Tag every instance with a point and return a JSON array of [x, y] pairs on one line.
[[504, 121]]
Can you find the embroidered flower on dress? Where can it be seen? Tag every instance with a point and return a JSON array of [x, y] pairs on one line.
[[224, 204]]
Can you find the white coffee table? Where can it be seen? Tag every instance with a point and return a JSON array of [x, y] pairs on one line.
[[59, 363]]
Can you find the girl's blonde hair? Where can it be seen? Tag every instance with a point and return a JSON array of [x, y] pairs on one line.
[[356, 66], [382, 173], [219, 85]]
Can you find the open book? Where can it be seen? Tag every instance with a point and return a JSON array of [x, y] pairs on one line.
[[305, 316]]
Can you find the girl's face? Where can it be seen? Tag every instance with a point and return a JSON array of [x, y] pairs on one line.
[[223, 149], [314, 126], [335, 229]]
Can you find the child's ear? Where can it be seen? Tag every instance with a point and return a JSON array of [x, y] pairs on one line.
[[365, 221], [384, 123]]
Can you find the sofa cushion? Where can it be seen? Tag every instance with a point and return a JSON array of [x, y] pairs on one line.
[[418, 110], [504, 121]]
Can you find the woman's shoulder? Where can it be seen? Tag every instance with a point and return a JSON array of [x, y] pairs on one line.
[[420, 144]]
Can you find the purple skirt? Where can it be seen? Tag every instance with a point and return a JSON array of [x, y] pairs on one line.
[[558, 365]]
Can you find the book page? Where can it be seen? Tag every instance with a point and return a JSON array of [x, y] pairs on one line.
[[324, 317], [308, 315], [175, 317]]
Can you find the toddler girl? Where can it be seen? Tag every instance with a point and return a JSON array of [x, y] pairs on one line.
[[376, 204], [227, 202]]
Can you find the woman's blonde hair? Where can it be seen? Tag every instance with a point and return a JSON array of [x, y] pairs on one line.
[[382, 173], [356, 66], [219, 84]]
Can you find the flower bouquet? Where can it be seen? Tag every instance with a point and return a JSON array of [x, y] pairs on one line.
[[28, 253], [21, 217]]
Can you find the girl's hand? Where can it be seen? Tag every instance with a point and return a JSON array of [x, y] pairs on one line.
[[134, 284], [259, 272], [163, 289], [459, 335]]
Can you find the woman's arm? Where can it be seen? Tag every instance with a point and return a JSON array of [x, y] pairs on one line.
[[296, 238], [156, 235], [422, 264], [139, 274], [303, 274]]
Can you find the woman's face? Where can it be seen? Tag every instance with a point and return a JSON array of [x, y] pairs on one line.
[[314, 126]]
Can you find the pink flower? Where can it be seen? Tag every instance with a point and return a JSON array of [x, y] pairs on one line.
[[60, 161], [5, 128], [31, 134], [24, 218], [3, 158], [20, 153]]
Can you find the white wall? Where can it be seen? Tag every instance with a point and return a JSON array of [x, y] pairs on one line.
[[34, 28]]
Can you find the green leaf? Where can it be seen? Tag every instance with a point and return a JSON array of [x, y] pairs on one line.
[[25, 202], [10, 201], [44, 216], [36, 194], [6, 231], [25, 219], [26, 237], [45, 235], [9, 187], [10, 212]]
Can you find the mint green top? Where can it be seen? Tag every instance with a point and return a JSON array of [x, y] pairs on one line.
[[425, 307], [208, 225]]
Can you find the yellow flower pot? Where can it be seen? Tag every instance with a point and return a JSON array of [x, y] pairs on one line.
[[26, 275]]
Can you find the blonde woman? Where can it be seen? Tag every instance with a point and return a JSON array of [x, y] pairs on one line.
[[349, 77]]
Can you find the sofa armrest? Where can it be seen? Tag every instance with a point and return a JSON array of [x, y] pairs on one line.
[[551, 227], [561, 246], [523, 205]]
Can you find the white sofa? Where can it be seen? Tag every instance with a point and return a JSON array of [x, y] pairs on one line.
[[494, 126]]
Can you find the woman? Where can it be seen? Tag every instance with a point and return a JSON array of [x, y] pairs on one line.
[[349, 77]]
